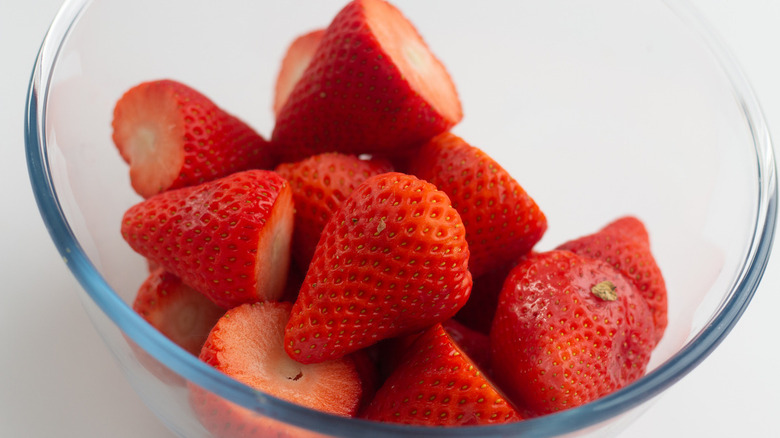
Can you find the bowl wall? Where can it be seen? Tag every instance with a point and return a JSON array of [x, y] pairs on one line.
[[599, 110]]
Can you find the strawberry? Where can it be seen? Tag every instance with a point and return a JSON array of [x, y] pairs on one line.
[[625, 244], [180, 312], [173, 136], [502, 221], [372, 86], [320, 184], [391, 261], [296, 59], [568, 329], [438, 385], [229, 238], [246, 344]]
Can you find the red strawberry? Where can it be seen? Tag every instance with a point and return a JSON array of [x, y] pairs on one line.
[[391, 261], [180, 312], [502, 222], [173, 136], [438, 385], [246, 344], [229, 239], [625, 245], [320, 184], [295, 61], [372, 86], [568, 329]]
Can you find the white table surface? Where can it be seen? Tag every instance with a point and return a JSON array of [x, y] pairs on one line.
[[58, 379]]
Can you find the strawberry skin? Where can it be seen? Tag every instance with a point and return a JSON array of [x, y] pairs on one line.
[[559, 340], [173, 136], [438, 385], [372, 86], [320, 184], [229, 239], [502, 221], [625, 244], [178, 311], [246, 344], [294, 63], [391, 261]]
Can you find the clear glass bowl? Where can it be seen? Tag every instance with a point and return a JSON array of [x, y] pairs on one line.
[[598, 109]]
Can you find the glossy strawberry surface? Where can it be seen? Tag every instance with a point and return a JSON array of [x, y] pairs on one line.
[[625, 244], [568, 330]]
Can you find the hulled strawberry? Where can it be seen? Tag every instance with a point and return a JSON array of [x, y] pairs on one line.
[[391, 261], [625, 244], [294, 63], [178, 311], [229, 238], [438, 385], [502, 221], [320, 184], [568, 329], [246, 344], [173, 136], [372, 86]]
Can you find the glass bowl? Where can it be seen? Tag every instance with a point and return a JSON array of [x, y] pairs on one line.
[[598, 109]]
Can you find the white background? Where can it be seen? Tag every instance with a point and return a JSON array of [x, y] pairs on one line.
[[58, 379]]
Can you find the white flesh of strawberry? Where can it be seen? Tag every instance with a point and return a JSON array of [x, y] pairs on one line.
[[273, 248], [152, 142], [261, 362], [417, 64]]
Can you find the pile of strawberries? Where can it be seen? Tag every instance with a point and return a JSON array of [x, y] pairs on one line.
[[365, 261]]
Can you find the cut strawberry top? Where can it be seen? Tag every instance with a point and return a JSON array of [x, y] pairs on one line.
[[181, 313], [246, 344], [152, 141], [295, 61], [416, 63], [320, 184], [173, 136]]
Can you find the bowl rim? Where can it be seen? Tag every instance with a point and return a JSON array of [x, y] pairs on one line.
[[193, 370]]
